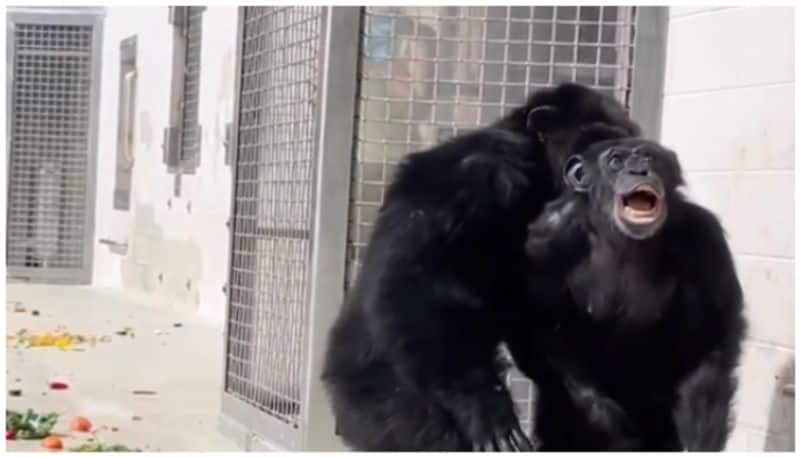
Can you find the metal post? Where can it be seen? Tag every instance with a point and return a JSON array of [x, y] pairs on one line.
[[339, 63], [647, 87]]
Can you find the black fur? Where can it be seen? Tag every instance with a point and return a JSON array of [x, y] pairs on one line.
[[412, 361], [633, 343]]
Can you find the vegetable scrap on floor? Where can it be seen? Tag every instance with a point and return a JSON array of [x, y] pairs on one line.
[[126, 331], [30, 425], [59, 385], [100, 447], [59, 339]]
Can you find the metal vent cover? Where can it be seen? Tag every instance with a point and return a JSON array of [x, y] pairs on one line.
[[182, 143], [190, 120], [52, 145]]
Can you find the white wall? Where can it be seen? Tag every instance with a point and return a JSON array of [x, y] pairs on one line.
[[729, 113], [188, 248]]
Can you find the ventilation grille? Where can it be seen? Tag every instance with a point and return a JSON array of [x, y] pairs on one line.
[[190, 121]]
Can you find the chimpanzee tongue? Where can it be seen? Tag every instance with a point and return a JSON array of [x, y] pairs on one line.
[[640, 201]]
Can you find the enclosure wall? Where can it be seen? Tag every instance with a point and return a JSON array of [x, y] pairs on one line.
[[168, 250], [729, 113]]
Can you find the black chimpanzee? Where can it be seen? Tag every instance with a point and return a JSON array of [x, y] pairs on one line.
[[412, 361], [636, 321]]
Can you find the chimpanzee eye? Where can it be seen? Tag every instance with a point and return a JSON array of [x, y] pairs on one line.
[[615, 161]]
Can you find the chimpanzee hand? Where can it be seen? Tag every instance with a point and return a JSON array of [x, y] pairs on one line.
[[499, 429], [488, 421]]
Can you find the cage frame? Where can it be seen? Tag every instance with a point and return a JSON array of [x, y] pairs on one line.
[[81, 16]]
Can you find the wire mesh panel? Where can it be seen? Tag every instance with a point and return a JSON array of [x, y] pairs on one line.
[[190, 125], [429, 72], [273, 208], [49, 218]]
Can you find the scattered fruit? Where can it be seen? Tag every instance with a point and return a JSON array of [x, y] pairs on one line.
[[60, 340], [81, 424], [53, 443], [59, 385]]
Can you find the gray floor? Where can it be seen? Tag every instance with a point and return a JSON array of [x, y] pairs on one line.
[[182, 365]]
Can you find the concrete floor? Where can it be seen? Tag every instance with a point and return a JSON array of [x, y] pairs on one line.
[[182, 365]]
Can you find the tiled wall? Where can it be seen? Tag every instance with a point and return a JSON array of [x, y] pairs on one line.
[[729, 113]]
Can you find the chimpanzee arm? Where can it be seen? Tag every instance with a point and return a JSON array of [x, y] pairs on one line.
[[558, 238], [702, 414]]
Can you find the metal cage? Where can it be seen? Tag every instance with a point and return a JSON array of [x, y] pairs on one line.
[[275, 160], [329, 100], [53, 84]]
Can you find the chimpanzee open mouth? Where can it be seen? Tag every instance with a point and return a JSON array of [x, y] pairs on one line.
[[642, 205]]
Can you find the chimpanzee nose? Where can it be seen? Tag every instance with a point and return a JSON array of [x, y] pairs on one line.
[[637, 165]]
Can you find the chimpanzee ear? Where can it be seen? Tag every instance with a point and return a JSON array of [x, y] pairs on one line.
[[543, 119], [575, 174]]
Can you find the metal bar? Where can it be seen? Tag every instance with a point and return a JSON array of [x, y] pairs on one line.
[[624, 56], [339, 63], [10, 62], [234, 173], [647, 86], [91, 188]]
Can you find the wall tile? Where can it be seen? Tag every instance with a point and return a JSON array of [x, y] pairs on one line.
[[730, 48]]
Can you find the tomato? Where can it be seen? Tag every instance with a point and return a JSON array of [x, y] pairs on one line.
[[53, 443], [10, 434], [81, 424]]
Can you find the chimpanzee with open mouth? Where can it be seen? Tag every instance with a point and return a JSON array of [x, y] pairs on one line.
[[633, 345]]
